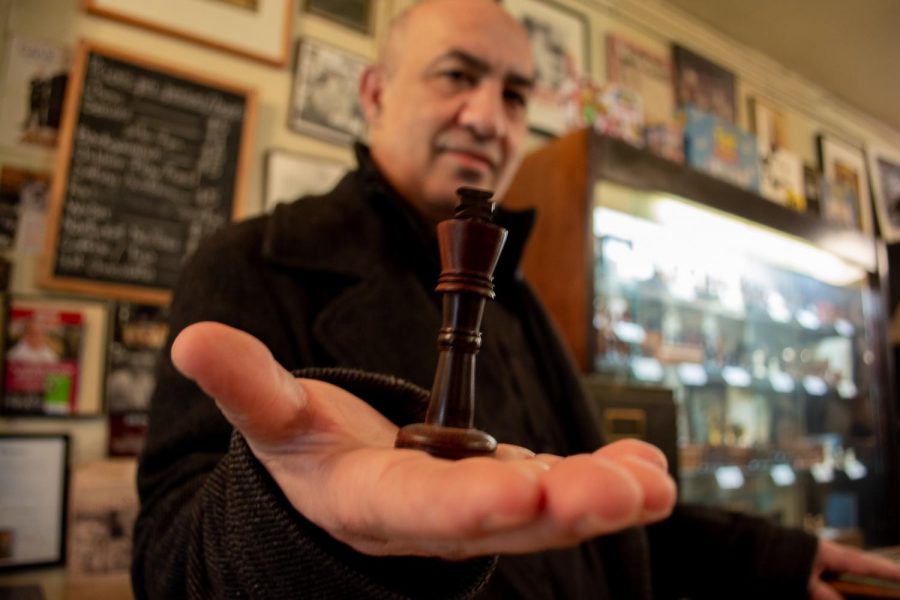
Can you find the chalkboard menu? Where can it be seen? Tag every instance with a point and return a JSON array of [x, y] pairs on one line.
[[151, 161]]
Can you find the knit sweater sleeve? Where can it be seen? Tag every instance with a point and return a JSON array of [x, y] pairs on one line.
[[212, 522], [708, 553]]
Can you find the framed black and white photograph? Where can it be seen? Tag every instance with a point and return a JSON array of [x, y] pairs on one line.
[[325, 102], [291, 175], [34, 476], [845, 198], [559, 40], [884, 165], [355, 14]]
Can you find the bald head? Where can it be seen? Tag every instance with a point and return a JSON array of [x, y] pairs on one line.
[[395, 41], [446, 102]]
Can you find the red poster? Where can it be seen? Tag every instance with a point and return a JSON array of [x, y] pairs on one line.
[[42, 361]]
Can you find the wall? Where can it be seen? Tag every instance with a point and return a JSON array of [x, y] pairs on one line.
[[808, 110]]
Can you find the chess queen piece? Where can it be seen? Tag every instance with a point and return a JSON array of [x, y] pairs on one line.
[[470, 246]]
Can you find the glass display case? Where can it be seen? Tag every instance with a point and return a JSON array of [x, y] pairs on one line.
[[764, 341], [767, 325]]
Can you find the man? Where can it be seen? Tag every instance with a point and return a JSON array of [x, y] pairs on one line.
[[300, 492]]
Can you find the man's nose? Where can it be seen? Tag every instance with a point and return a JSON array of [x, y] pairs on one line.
[[484, 112]]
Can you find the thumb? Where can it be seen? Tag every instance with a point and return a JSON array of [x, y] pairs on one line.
[[256, 395]]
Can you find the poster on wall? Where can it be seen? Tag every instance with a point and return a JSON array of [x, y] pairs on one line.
[[845, 201], [32, 94], [324, 101], [646, 72], [139, 333], [559, 41], [702, 83], [54, 353], [650, 75], [884, 165], [42, 361], [103, 507], [781, 171]]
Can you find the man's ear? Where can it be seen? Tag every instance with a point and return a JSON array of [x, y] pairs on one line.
[[371, 86]]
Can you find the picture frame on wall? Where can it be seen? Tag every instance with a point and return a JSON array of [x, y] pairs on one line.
[[54, 356], [324, 100], [704, 84], [884, 166], [291, 175], [257, 29], [781, 171], [33, 508], [845, 198], [31, 96], [355, 14], [559, 41], [646, 72]]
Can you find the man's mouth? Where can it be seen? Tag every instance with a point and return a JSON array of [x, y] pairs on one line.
[[472, 158]]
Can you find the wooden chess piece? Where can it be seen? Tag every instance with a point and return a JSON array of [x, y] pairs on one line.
[[470, 246]]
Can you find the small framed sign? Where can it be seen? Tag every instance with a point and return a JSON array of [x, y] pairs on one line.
[[33, 495]]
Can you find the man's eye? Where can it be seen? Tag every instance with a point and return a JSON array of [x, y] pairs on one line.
[[515, 98], [458, 76]]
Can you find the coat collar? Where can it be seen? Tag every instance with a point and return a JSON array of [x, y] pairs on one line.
[[326, 233]]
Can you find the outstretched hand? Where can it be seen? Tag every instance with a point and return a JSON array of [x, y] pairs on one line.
[[333, 456], [835, 558]]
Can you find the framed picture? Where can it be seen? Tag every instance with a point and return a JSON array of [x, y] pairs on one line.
[[356, 14], [704, 84], [34, 472], [257, 29], [781, 171], [32, 94], [103, 506], [55, 350], [559, 40], [291, 175], [324, 102], [139, 333], [20, 191], [884, 165], [647, 73], [845, 198], [24, 196]]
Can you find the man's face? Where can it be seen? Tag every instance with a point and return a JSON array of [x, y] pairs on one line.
[[449, 108]]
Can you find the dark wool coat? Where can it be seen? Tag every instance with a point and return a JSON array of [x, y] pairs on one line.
[[346, 280]]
